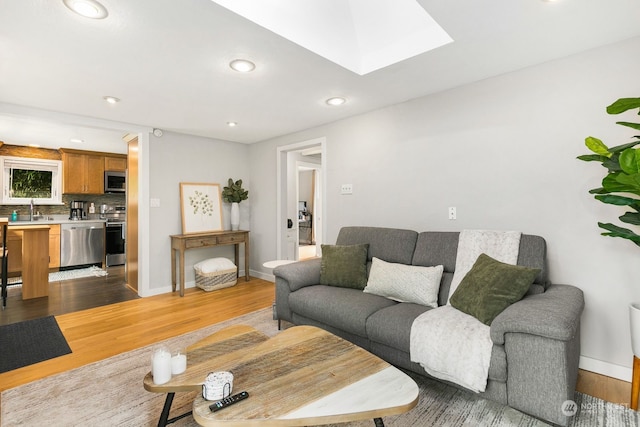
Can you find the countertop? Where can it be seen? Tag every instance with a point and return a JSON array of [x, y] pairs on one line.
[[54, 220]]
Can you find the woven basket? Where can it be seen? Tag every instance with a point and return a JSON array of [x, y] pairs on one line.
[[217, 279]]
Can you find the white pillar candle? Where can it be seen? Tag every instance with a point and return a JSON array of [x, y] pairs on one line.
[[161, 366], [178, 363]]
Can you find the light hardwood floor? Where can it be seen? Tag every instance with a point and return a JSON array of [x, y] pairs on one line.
[[97, 333], [102, 332]]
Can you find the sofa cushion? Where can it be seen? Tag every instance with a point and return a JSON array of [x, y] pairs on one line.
[[441, 247], [344, 265], [344, 308], [391, 326], [490, 287], [389, 244], [404, 283]]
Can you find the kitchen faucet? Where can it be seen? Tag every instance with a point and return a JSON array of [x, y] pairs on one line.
[[31, 210]]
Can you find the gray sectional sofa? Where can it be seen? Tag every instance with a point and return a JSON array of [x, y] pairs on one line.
[[536, 341]]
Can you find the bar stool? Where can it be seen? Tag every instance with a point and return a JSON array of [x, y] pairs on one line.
[[4, 256], [634, 322]]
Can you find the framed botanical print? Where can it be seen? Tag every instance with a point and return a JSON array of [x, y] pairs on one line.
[[201, 206]]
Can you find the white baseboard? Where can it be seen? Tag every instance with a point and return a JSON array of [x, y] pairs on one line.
[[605, 368], [263, 275], [192, 283]]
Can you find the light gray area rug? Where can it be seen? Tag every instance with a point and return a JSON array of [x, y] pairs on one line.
[[57, 276], [110, 393]]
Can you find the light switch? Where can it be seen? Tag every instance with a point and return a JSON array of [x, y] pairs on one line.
[[154, 203]]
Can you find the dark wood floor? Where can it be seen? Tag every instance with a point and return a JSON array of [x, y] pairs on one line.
[[68, 296]]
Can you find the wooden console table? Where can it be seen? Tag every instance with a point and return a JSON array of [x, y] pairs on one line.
[[181, 242]]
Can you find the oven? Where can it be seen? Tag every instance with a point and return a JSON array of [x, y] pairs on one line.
[[115, 232]]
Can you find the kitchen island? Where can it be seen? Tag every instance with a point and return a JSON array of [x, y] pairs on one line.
[[35, 250], [35, 259]]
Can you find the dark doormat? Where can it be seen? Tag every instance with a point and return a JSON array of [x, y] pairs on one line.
[[29, 342]]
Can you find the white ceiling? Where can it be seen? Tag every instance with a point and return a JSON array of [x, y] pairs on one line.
[[167, 61]]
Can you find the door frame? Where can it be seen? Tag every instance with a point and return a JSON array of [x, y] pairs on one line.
[[284, 194]]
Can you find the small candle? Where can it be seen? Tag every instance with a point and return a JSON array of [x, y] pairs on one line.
[[178, 363], [161, 366]]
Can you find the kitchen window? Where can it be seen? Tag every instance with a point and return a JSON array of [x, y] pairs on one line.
[[26, 179]]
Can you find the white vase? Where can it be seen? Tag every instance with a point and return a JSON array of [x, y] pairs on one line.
[[235, 216], [634, 320]]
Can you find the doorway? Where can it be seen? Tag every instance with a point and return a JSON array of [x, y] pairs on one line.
[[309, 204], [293, 160]]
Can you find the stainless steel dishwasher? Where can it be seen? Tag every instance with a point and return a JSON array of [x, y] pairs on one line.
[[81, 243]]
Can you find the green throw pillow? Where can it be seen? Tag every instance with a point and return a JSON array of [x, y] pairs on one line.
[[344, 266], [490, 287]]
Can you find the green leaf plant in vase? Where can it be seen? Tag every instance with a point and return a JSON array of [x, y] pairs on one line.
[[234, 193], [621, 187], [621, 184]]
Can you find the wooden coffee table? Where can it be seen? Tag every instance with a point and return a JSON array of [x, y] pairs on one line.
[[205, 356], [302, 376]]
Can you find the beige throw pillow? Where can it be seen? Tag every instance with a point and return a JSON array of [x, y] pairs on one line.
[[405, 283]]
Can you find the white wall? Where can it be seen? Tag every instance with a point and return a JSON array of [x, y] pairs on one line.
[[176, 158], [503, 151]]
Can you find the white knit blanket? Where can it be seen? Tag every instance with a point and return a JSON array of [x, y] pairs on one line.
[[452, 345], [499, 245]]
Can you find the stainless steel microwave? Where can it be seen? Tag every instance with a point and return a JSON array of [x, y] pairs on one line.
[[115, 182]]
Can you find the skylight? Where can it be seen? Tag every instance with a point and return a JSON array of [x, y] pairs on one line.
[[359, 35]]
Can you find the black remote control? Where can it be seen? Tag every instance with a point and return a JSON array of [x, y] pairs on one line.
[[228, 401]]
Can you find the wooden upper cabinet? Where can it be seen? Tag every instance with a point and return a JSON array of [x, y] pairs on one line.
[[115, 163], [83, 172]]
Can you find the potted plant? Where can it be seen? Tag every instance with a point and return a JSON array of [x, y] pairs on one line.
[[234, 193], [621, 184]]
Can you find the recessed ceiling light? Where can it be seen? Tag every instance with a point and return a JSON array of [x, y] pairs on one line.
[[111, 99], [336, 100], [242, 65], [77, 140], [87, 8], [232, 124]]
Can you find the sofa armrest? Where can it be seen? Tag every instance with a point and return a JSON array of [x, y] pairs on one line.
[[541, 339], [290, 278], [299, 274], [553, 314]]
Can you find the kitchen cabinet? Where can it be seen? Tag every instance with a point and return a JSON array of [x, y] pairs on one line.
[[83, 172], [14, 245], [54, 246], [115, 163]]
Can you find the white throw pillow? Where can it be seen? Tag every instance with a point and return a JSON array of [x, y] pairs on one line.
[[213, 265], [405, 283]]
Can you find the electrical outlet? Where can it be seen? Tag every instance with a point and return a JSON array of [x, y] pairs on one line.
[[452, 213], [154, 203], [346, 189]]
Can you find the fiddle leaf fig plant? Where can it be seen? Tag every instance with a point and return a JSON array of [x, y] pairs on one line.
[[233, 192], [621, 184]]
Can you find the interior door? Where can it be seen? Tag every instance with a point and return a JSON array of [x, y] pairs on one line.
[[287, 194], [131, 240]]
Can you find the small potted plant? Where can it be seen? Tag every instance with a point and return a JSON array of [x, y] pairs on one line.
[[234, 193]]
